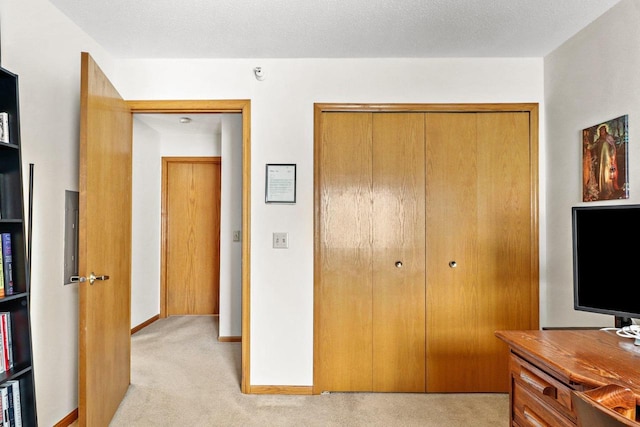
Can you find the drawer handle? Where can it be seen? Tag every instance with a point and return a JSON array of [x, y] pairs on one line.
[[538, 383], [533, 419]]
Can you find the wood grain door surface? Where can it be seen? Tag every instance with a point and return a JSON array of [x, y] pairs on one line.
[[478, 217], [398, 252], [343, 353], [191, 255], [104, 247], [372, 217], [449, 196]]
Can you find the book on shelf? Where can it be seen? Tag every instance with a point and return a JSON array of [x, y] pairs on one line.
[[12, 409], [4, 396], [4, 127], [2, 368], [1, 280], [7, 263], [7, 340], [14, 388], [8, 202]]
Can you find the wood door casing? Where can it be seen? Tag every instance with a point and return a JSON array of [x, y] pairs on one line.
[[243, 107], [104, 247], [191, 235]]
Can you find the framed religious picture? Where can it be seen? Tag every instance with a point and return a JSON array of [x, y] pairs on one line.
[[605, 173]]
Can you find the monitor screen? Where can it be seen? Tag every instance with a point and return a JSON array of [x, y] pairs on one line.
[[606, 259]]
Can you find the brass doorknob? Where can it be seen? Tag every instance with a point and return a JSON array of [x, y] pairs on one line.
[[92, 278]]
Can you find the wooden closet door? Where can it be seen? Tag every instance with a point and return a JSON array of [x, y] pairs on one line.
[[452, 289], [505, 239], [465, 208], [371, 330], [478, 217], [343, 291], [398, 252]]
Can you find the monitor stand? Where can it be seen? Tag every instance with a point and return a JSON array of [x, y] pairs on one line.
[[623, 321]]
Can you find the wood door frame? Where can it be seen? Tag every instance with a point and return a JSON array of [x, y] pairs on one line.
[[242, 106], [164, 300], [531, 108]]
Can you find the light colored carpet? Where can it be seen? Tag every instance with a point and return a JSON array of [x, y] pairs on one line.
[[182, 376]]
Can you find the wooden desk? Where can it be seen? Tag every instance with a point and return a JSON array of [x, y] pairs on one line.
[[546, 366]]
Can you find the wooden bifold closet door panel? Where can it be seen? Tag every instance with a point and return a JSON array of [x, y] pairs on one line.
[[478, 217], [372, 245], [398, 252], [425, 245], [344, 358]]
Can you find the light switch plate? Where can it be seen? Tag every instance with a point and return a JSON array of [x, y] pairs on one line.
[[280, 240]]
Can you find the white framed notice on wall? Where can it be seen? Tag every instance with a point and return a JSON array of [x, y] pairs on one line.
[[280, 183]]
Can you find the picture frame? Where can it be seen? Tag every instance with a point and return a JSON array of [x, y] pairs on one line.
[[605, 160], [280, 184]]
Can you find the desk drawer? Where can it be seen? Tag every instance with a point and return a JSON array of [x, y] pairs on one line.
[[530, 411], [542, 386]]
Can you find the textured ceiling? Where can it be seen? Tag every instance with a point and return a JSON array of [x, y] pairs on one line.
[[331, 28]]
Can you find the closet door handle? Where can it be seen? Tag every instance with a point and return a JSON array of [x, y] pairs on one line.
[[399, 264]]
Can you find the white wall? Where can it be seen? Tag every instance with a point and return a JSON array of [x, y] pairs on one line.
[[282, 132], [43, 48], [189, 145], [230, 319], [590, 79], [145, 235]]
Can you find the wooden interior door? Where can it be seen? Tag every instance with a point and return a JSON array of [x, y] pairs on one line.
[[398, 252], [104, 247], [191, 242]]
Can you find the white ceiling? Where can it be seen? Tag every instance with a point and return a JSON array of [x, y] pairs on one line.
[[325, 29], [331, 28], [200, 124]]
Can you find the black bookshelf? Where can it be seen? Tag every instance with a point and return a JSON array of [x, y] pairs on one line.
[[12, 221]]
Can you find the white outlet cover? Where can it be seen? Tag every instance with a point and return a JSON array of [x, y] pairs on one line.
[[281, 240]]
